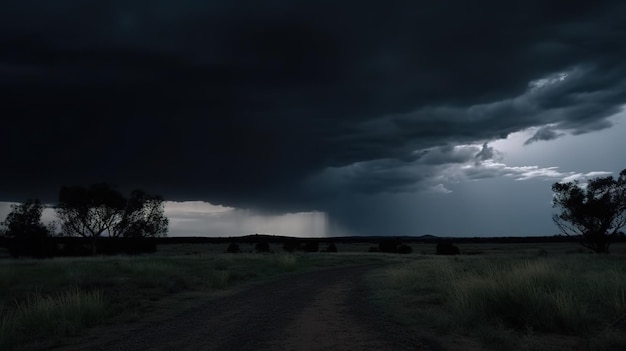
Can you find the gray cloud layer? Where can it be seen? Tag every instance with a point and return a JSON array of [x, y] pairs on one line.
[[264, 104]]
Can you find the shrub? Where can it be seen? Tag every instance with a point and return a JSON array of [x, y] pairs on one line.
[[291, 245], [390, 246], [232, 248], [447, 249], [310, 246], [262, 247], [331, 248], [404, 249]]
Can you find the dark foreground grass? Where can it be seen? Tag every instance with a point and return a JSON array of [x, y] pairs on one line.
[[505, 296], [43, 301], [519, 303]]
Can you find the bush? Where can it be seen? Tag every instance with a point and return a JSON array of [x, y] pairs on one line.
[[390, 246], [331, 248], [404, 249], [447, 249], [36, 247], [233, 248], [310, 246], [291, 245], [262, 247]]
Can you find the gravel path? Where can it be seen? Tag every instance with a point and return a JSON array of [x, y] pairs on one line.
[[323, 310]]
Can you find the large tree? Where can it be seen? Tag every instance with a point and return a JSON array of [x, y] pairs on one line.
[[100, 210], [595, 210], [142, 217], [24, 220], [24, 228]]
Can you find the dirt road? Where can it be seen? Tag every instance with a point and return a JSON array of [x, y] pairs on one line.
[[325, 310]]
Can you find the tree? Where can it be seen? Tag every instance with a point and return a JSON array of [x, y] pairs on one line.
[[26, 231], [595, 210], [24, 219], [99, 209], [142, 217]]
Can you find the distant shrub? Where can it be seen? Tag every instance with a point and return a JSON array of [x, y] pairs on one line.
[[390, 246], [233, 248], [373, 249], [262, 247], [310, 246], [74, 248], [33, 247], [331, 248], [291, 245], [404, 249], [447, 249]]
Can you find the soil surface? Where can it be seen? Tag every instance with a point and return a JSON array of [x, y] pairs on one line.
[[323, 310]]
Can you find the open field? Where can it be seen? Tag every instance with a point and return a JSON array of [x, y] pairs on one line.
[[527, 299], [59, 297], [495, 296]]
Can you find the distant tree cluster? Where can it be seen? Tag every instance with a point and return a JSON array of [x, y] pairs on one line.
[[392, 246], [301, 245], [91, 213], [596, 211], [289, 244]]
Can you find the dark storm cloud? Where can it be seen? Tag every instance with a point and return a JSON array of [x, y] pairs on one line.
[[244, 102], [543, 133], [448, 154], [486, 153]]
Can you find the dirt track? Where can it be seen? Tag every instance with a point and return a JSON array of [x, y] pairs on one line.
[[324, 310]]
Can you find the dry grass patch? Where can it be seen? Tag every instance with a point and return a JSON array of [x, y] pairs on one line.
[[511, 303]]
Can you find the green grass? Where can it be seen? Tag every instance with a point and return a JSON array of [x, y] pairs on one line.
[[44, 300], [511, 302], [510, 296], [51, 316]]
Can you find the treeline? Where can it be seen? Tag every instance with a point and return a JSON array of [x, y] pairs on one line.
[[274, 239], [94, 220], [59, 246]]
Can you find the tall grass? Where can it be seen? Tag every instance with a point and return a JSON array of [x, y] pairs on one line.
[[287, 262], [51, 316], [531, 294], [582, 295], [53, 298]]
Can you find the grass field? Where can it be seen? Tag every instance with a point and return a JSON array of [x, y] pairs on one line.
[[547, 298], [498, 296], [60, 297]]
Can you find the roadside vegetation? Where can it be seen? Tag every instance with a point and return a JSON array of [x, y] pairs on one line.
[[517, 302], [491, 296], [43, 301]]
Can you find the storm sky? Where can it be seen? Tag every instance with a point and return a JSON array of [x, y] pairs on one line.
[[315, 117]]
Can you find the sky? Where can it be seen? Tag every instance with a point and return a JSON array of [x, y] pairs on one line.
[[315, 118]]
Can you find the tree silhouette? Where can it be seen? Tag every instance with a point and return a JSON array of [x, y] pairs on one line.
[[595, 210], [142, 217], [25, 229], [99, 209]]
